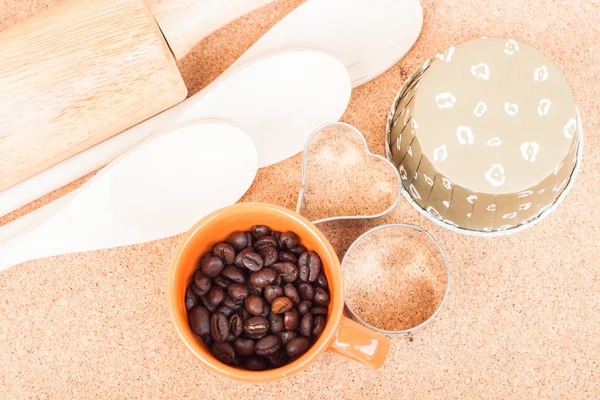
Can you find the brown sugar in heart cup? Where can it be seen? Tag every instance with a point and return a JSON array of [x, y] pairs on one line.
[[342, 179]]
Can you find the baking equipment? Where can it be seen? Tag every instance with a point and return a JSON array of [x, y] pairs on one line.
[[492, 151], [288, 85], [405, 269], [391, 28], [337, 156], [341, 334], [85, 70], [400, 266], [154, 191], [360, 343], [313, 82]]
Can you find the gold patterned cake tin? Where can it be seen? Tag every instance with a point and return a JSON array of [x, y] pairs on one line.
[[486, 137]]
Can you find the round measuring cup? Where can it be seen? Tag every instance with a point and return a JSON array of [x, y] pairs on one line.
[[341, 334]]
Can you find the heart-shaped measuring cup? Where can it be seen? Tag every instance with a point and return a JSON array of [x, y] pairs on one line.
[[342, 179]]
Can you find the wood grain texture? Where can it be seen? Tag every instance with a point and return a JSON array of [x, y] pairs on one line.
[[75, 75], [521, 321], [186, 22]]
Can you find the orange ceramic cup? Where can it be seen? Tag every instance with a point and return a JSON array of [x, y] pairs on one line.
[[341, 334]]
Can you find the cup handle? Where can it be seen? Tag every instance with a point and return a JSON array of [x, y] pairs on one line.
[[361, 344]]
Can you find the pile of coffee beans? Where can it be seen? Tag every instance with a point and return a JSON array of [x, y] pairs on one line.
[[259, 300]]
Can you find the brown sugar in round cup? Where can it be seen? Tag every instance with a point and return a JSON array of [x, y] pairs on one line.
[[396, 278]]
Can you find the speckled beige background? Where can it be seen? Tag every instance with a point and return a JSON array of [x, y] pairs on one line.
[[522, 321]]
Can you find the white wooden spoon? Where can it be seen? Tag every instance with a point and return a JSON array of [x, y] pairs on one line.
[[158, 189], [278, 100], [367, 36]]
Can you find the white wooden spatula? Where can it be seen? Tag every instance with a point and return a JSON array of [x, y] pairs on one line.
[[278, 100], [158, 189], [367, 36]]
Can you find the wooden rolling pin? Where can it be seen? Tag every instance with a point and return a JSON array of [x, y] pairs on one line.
[[86, 70]]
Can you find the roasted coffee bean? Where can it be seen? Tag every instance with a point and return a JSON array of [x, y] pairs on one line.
[[321, 297], [191, 300], [228, 312], [291, 320], [306, 291], [268, 346], [252, 261], [279, 359], [222, 282], [272, 292], [275, 322], [225, 252], [319, 311], [290, 291], [304, 307], [213, 266], [263, 278], [287, 270], [202, 283], [318, 326], [266, 310], [238, 291], [309, 266], [322, 281], [306, 325], [269, 255], [219, 327], [254, 305], [259, 231], [231, 303], [249, 239], [239, 259], [298, 250], [297, 346], [215, 295], [237, 240], [244, 347], [281, 305], [255, 363], [206, 303], [287, 256], [236, 325], [234, 274], [287, 336], [266, 241], [200, 321], [257, 291], [224, 352], [256, 327], [289, 240]]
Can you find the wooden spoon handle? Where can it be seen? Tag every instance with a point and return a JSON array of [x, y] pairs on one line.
[[184, 23]]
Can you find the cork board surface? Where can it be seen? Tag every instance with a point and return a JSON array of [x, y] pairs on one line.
[[522, 319]]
